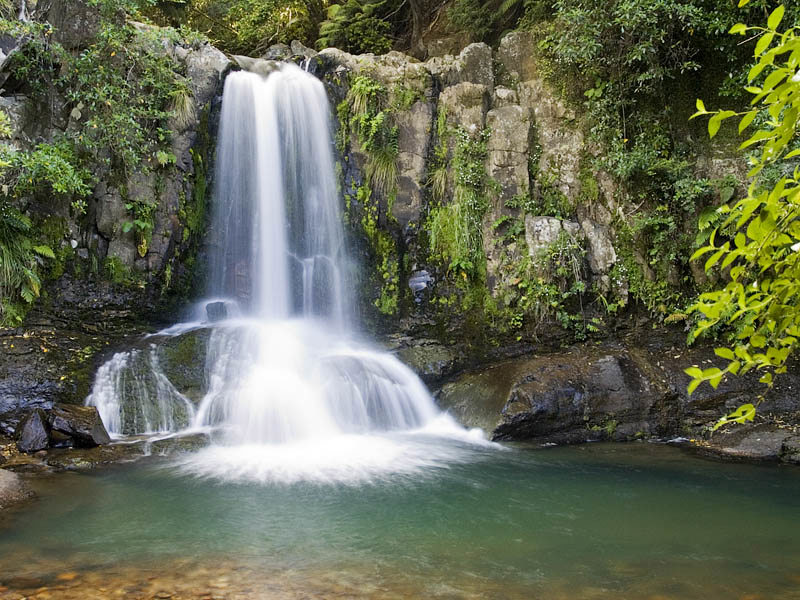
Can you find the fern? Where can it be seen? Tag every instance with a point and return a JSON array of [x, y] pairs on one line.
[[20, 260]]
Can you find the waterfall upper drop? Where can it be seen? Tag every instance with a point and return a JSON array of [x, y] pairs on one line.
[[280, 246], [288, 394]]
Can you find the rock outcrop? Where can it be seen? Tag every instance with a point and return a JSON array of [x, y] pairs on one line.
[[535, 152], [622, 391]]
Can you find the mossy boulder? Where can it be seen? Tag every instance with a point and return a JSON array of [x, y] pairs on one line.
[[183, 359]]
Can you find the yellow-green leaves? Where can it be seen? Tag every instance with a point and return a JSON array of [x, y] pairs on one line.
[[716, 120], [739, 28], [775, 17], [746, 412], [746, 120], [756, 249]]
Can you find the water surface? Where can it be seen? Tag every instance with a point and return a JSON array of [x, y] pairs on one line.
[[595, 521]]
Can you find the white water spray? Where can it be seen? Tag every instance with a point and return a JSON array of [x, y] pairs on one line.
[[291, 396]]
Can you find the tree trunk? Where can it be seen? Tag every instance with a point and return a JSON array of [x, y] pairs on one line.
[[420, 17]]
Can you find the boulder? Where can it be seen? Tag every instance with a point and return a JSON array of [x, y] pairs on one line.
[[75, 23], [517, 55], [216, 311], [565, 397], [507, 149], [13, 489], [542, 232], [277, 52], [472, 65], [81, 423], [33, 432], [110, 210], [414, 126], [182, 358], [466, 105], [429, 359], [298, 49], [205, 69], [766, 441], [256, 65]]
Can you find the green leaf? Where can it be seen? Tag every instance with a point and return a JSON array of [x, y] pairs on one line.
[[763, 43], [694, 372], [714, 124], [746, 412], [701, 252], [776, 17], [725, 353], [739, 28], [746, 120], [714, 258]]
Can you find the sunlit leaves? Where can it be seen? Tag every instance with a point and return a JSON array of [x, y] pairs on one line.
[[744, 413], [758, 243]]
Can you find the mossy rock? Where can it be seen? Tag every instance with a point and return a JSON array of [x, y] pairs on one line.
[[182, 359]]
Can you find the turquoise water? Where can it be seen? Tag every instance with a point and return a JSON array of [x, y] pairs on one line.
[[594, 521]]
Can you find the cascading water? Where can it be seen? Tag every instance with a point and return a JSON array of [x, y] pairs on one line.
[[288, 394]]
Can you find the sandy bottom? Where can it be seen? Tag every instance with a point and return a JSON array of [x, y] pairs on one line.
[[226, 580]]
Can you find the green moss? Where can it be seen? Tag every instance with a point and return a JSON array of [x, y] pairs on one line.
[[384, 250], [120, 274]]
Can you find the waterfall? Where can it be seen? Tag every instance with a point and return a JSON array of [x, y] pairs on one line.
[[288, 392], [276, 222]]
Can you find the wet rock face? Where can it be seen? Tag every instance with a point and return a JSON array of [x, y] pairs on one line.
[[534, 142], [75, 23]]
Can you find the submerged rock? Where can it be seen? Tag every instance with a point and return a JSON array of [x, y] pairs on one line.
[[13, 489], [33, 432]]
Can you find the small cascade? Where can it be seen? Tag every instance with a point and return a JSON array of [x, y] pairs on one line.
[[133, 395], [288, 392]]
